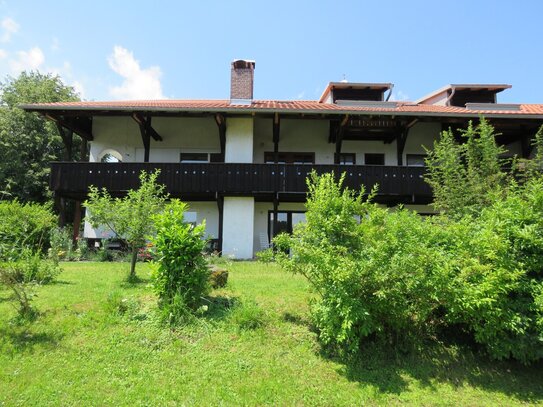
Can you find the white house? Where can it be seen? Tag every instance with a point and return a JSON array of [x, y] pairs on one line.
[[241, 163]]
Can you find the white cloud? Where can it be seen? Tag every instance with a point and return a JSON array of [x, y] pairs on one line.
[[399, 96], [3, 54], [9, 27], [27, 60], [66, 74], [55, 44], [138, 83]]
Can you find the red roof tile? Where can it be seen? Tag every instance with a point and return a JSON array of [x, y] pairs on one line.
[[294, 106]]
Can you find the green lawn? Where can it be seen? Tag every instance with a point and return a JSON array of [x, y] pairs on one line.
[[80, 353]]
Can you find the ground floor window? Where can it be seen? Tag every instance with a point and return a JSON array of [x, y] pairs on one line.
[[286, 220]]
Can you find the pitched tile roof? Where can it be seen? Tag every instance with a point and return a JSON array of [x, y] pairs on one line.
[[292, 106]]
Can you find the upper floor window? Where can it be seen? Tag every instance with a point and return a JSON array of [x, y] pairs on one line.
[[374, 159], [289, 158], [416, 160], [346, 159], [110, 156], [194, 157]]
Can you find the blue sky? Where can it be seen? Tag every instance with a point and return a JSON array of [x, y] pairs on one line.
[[175, 49]]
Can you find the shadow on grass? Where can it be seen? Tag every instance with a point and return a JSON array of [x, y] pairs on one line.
[[219, 307], [134, 281], [61, 282], [298, 319], [437, 363], [18, 339]]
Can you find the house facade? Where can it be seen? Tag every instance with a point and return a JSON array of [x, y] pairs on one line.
[[241, 163]]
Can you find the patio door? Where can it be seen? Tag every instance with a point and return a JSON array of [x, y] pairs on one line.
[[286, 220]]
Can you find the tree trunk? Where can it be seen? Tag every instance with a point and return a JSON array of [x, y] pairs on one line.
[[133, 262]]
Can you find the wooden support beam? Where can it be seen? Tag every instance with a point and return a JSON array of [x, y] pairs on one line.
[[221, 123], [146, 139], [77, 222], [400, 145], [67, 137], [146, 122], [275, 222], [339, 137], [81, 125], [83, 152], [276, 133], [526, 146]]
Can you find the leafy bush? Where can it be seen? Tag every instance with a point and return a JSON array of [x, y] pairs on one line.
[[266, 255], [400, 277], [496, 291], [374, 278], [61, 246], [180, 274], [24, 226], [23, 292]]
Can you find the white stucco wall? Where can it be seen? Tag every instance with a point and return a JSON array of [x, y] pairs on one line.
[[207, 211], [312, 136], [238, 227], [239, 140], [296, 136], [179, 135], [421, 134]]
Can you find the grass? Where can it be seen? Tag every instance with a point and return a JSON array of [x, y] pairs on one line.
[[97, 343]]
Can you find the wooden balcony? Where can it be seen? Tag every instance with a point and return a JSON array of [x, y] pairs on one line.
[[207, 181]]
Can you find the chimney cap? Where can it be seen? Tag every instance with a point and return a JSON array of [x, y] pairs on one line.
[[243, 64]]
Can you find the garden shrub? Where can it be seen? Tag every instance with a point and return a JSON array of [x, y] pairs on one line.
[[397, 276], [266, 255], [180, 276], [496, 291], [374, 278], [22, 291], [24, 226]]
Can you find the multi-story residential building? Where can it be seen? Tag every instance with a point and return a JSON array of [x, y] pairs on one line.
[[241, 163]]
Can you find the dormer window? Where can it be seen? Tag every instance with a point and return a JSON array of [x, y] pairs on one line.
[[349, 92], [462, 95]]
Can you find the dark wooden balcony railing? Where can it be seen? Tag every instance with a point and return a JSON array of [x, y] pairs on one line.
[[185, 180]]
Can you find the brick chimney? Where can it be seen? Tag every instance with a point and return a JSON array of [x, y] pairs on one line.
[[241, 82]]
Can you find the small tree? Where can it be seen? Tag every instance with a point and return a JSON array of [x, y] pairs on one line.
[[131, 217]]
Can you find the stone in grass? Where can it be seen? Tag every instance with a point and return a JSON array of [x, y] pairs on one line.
[[218, 277]]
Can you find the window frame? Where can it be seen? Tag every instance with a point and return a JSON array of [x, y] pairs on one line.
[[374, 155]]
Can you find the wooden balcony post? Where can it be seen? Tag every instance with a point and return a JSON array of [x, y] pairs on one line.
[[276, 132], [220, 206]]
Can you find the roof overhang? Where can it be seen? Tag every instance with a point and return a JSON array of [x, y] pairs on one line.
[[312, 108]]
